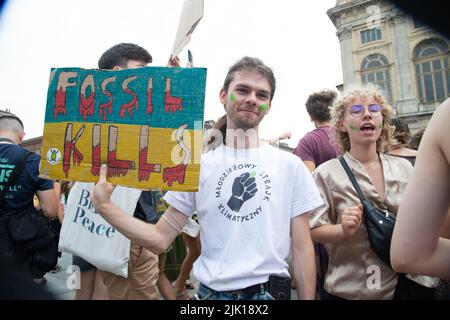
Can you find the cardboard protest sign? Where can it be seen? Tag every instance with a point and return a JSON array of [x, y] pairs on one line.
[[144, 123], [190, 17]]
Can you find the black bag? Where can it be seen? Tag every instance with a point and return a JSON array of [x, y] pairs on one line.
[[280, 287], [379, 223], [27, 233], [38, 236], [44, 257], [27, 224]]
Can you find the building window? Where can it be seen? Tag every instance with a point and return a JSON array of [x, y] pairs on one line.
[[431, 63], [375, 69], [370, 35]]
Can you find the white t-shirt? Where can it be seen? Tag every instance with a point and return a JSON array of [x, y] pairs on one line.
[[245, 202]]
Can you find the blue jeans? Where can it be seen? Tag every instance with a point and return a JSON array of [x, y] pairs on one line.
[[205, 293]]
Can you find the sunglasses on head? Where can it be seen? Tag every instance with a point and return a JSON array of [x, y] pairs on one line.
[[357, 110]]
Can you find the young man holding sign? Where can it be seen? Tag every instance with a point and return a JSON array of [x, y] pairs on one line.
[[252, 203]]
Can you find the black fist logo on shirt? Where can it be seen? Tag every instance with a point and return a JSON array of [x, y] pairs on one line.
[[244, 188]]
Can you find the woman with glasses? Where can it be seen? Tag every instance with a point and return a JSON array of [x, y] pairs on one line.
[[360, 123]]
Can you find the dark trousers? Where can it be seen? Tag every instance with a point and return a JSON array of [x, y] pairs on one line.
[[407, 289]]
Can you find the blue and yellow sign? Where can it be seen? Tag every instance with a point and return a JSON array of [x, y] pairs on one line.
[[145, 124]]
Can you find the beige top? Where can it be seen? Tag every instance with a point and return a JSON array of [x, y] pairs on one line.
[[353, 266]]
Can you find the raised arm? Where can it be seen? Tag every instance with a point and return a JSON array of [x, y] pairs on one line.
[[156, 238], [416, 246]]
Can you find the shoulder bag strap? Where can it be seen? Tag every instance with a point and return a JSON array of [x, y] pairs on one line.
[[15, 174], [352, 178]]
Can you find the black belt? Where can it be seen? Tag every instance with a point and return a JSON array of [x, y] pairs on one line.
[[257, 288]]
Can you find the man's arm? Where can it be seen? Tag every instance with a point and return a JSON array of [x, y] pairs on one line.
[[310, 165], [156, 238], [424, 205], [303, 259], [48, 202], [57, 189]]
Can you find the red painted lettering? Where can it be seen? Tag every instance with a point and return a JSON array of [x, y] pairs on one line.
[[96, 151], [134, 101], [87, 104], [171, 104], [116, 167], [173, 174], [104, 107], [70, 150], [60, 94], [145, 169], [178, 172]]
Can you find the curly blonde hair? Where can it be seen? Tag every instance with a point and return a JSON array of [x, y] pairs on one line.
[[346, 99]]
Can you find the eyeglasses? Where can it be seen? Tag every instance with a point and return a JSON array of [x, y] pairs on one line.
[[357, 110]]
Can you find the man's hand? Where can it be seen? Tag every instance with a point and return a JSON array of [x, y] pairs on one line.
[[101, 194], [173, 62], [351, 220], [285, 135]]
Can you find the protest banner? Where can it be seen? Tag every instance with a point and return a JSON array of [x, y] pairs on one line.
[[144, 123]]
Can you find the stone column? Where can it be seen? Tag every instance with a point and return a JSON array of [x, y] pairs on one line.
[[345, 38], [404, 76]]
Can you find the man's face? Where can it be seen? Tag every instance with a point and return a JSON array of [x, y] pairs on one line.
[[247, 100], [132, 64]]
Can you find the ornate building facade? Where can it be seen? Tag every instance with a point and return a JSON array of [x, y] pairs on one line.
[[381, 44]]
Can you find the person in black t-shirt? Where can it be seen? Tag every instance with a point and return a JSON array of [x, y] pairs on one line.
[[18, 195]]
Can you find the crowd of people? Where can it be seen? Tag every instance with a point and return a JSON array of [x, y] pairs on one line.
[[275, 220]]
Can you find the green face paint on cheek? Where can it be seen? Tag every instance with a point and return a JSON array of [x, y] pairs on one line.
[[353, 128], [233, 97], [263, 107], [381, 126]]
